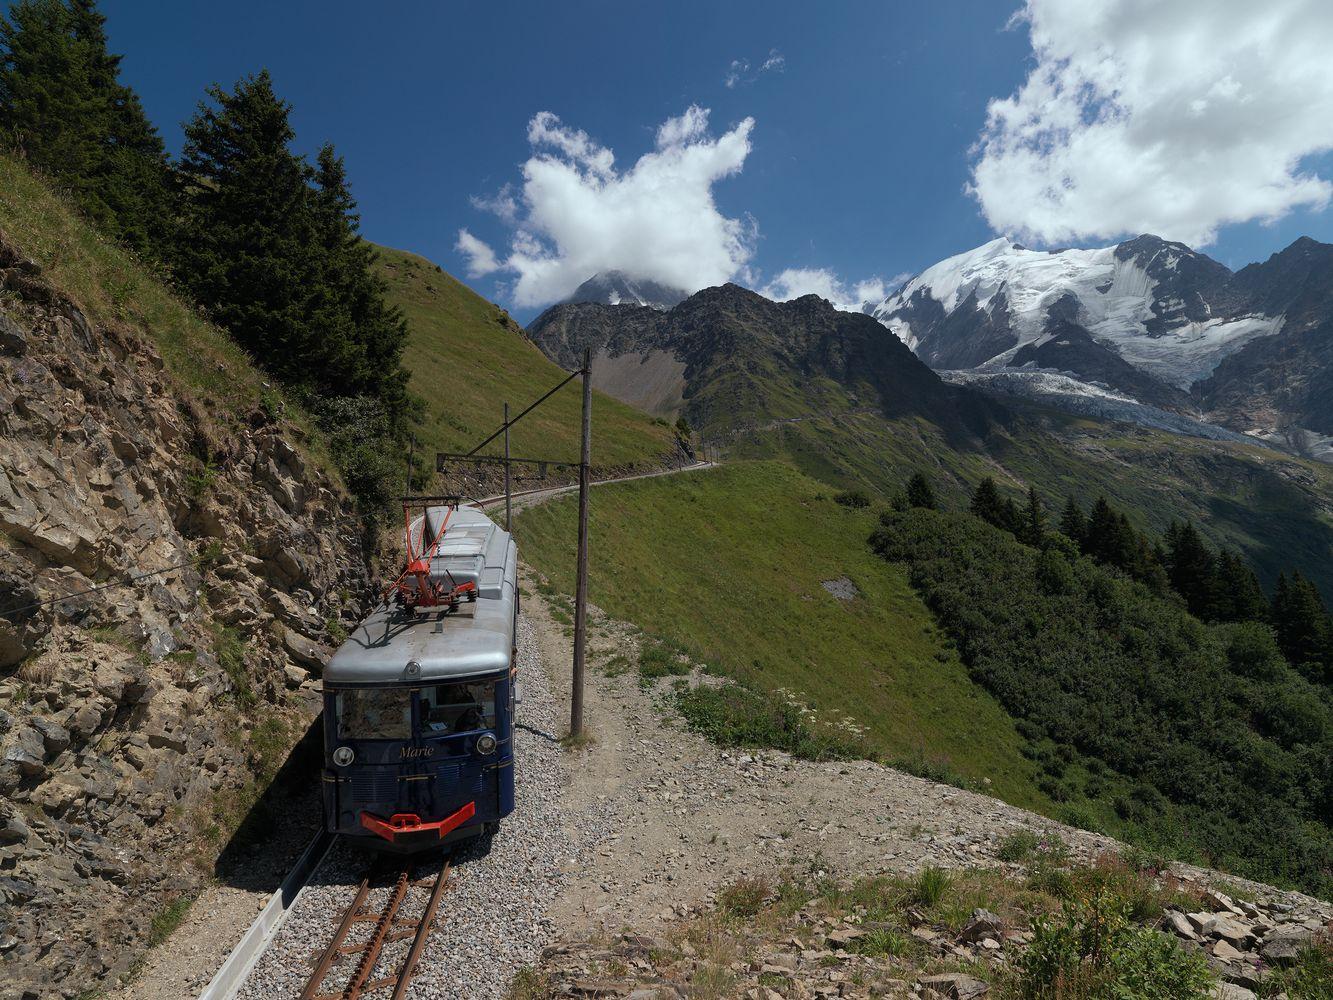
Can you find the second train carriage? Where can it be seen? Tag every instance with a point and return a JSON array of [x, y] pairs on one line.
[[419, 701]]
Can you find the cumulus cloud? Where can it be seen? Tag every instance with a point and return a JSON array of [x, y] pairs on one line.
[[739, 70], [576, 213], [1173, 118], [480, 257], [794, 282]]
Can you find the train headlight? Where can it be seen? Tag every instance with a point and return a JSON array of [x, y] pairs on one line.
[[343, 756], [486, 743], [413, 668]]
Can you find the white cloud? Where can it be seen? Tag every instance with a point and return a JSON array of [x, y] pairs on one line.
[[794, 282], [577, 214], [739, 70], [1173, 118], [501, 204], [480, 257]]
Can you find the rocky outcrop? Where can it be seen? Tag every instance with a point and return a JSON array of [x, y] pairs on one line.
[[168, 572]]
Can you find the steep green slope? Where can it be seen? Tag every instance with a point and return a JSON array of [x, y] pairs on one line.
[[1274, 508], [730, 563], [466, 358]]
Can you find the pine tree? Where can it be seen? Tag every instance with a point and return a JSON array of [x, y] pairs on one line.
[[987, 505], [1302, 626], [248, 248], [1074, 523], [62, 104], [1103, 539], [1192, 569], [1239, 596], [1032, 529], [919, 492], [353, 296]]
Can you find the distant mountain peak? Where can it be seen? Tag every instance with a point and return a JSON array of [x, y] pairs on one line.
[[1150, 318], [619, 288]]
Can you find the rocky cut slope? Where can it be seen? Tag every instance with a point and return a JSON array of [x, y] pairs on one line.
[[168, 574], [1135, 329]]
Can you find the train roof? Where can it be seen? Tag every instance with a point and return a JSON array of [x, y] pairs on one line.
[[475, 640]]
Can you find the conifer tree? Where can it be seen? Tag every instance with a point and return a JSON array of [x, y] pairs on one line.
[[919, 492], [1192, 569], [63, 105], [1032, 528], [248, 250], [353, 296], [1102, 540], [1303, 627], [1239, 596], [1074, 523], [987, 505]]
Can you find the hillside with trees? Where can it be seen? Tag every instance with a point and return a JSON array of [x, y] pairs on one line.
[[1206, 735]]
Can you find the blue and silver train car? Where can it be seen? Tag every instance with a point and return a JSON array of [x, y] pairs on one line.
[[419, 701]]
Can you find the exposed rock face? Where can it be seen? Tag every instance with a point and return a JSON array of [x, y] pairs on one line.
[[125, 713]]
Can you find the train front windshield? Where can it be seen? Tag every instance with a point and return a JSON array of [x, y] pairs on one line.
[[443, 709], [375, 714], [457, 708]]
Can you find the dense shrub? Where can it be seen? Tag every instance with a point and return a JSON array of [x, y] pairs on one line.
[[1093, 949], [855, 499]]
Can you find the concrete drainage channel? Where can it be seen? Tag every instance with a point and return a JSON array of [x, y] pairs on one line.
[[243, 957]]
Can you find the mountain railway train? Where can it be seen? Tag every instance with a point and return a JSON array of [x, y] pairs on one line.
[[419, 701]]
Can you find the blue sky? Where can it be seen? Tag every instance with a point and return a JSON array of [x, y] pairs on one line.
[[862, 145]]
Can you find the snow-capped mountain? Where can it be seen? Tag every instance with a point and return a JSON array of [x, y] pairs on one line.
[[1147, 322], [616, 288]]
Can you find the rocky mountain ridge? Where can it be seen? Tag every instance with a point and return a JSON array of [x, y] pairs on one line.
[[1154, 322], [616, 288], [169, 579], [727, 356]]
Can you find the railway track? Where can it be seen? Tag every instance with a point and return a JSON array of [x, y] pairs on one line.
[[366, 961]]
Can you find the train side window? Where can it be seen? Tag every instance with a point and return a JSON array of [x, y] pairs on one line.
[[458, 708], [375, 714]]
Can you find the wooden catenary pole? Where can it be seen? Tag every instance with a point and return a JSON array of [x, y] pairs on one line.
[[581, 588]]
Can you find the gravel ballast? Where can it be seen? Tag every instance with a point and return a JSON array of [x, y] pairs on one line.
[[493, 920]]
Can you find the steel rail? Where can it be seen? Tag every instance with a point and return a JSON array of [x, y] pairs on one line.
[[389, 928], [334, 949], [423, 931]]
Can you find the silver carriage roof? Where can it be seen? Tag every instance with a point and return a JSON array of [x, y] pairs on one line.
[[474, 640]]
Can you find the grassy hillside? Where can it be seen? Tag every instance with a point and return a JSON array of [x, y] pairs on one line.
[[730, 563], [1276, 509], [466, 358]]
